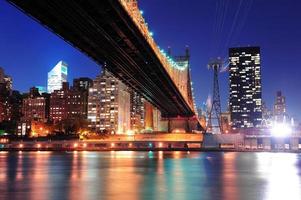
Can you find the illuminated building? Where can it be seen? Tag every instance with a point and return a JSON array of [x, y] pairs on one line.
[[4, 104], [109, 105], [152, 120], [35, 107], [6, 80], [69, 102], [245, 87], [137, 111], [5, 92], [226, 122], [58, 103], [280, 108], [266, 116], [57, 76]]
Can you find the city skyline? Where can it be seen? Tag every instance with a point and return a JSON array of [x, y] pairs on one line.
[[186, 99], [272, 64]]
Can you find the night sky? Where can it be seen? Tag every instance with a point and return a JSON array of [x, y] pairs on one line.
[[28, 51]]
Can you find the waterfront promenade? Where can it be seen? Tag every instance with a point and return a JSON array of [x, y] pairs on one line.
[[160, 142]]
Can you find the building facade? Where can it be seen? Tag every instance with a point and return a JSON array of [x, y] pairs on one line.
[[245, 99], [82, 84], [109, 105], [5, 94], [137, 111], [68, 103], [35, 107], [6, 80], [58, 104], [57, 76]]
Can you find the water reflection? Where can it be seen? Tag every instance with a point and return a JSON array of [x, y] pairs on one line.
[[281, 172], [229, 176], [149, 175]]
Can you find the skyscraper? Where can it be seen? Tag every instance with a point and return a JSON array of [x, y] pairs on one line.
[[280, 108], [245, 87], [57, 76]]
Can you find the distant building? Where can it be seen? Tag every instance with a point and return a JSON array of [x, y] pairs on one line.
[[35, 107], [58, 103], [80, 90], [41, 89], [6, 80], [280, 108], [5, 108], [226, 122], [57, 76], [109, 105], [137, 111], [5, 94], [267, 116], [70, 102], [82, 83], [245, 87]]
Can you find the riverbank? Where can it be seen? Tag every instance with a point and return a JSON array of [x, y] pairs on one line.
[[97, 145]]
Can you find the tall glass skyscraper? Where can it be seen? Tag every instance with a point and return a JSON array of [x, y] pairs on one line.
[[57, 76], [245, 87]]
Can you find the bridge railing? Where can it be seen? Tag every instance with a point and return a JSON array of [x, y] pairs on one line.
[[168, 63]]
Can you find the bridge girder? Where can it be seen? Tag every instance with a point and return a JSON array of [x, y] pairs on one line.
[[104, 31]]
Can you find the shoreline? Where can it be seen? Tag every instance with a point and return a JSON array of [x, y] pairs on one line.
[[146, 150], [140, 145]]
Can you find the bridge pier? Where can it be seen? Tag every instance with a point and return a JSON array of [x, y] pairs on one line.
[[179, 124]]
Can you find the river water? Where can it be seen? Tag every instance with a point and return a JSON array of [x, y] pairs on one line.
[[130, 175]]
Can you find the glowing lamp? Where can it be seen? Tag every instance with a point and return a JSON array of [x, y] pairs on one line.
[[75, 145], [281, 130], [130, 132]]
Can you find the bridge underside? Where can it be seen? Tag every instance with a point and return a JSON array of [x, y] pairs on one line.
[[103, 30]]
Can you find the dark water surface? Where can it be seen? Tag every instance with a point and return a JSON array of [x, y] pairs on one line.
[[149, 175]]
